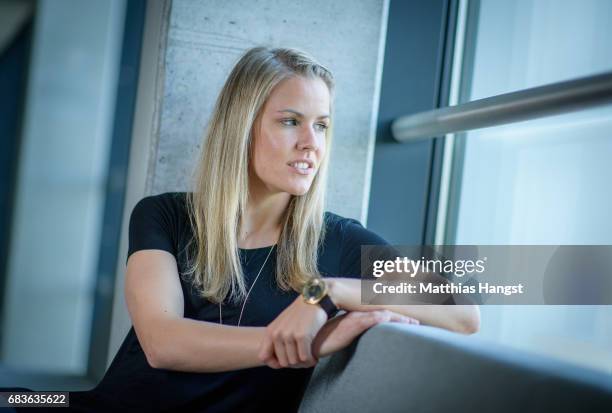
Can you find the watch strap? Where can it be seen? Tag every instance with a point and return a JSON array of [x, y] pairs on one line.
[[328, 305]]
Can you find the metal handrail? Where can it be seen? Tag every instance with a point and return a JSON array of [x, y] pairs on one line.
[[553, 99]]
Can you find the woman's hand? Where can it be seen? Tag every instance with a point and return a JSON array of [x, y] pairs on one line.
[[288, 339], [340, 331]]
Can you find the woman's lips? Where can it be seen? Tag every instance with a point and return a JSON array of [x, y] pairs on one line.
[[299, 171]]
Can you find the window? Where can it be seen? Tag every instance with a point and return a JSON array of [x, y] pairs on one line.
[[61, 245], [544, 181]]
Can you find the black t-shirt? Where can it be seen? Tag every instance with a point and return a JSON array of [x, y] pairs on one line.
[[161, 222]]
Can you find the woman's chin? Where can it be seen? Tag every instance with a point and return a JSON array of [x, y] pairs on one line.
[[299, 191]]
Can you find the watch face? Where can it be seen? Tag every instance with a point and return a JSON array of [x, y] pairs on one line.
[[314, 290]]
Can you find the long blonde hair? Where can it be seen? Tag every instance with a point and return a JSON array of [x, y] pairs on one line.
[[218, 201]]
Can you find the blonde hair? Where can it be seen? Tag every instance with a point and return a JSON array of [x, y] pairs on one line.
[[220, 195]]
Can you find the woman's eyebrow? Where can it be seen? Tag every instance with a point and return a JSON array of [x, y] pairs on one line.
[[295, 112]]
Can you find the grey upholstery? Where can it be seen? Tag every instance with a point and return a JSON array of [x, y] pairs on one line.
[[405, 368]]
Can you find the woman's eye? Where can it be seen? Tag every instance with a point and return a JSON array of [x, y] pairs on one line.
[[289, 122], [320, 127]]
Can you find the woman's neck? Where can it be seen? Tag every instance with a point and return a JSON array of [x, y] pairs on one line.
[[262, 221]]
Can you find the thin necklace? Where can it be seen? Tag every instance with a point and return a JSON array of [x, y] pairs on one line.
[[249, 292]]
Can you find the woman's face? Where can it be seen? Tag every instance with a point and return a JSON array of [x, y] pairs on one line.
[[289, 136]]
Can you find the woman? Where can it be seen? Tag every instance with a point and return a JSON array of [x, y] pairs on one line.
[[214, 277]]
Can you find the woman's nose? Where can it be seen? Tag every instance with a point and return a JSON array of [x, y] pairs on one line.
[[308, 139]]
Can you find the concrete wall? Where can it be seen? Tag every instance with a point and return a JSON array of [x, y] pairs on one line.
[[198, 42], [205, 39]]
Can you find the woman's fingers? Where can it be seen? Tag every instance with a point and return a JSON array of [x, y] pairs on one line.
[[273, 363], [384, 316], [279, 352], [402, 318], [288, 352], [303, 344], [290, 335], [266, 353], [291, 350], [371, 318], [377, 317]]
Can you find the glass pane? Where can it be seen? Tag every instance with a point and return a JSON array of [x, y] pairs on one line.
[[544, 181], [527, 43], [59, 200]]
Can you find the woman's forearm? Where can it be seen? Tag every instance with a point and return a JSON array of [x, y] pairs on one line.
[[189, 345], [346, 293], [197, 346]]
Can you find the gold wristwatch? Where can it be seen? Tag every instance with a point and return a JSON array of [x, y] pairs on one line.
[[315, 291]]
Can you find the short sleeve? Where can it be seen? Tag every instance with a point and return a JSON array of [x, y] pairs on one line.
[[354, 235], [151, 226]]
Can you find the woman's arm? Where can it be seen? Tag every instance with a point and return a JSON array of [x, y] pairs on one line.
[[155, 302], [200, 346], [170, 341], [346, 294], [341, 330]]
